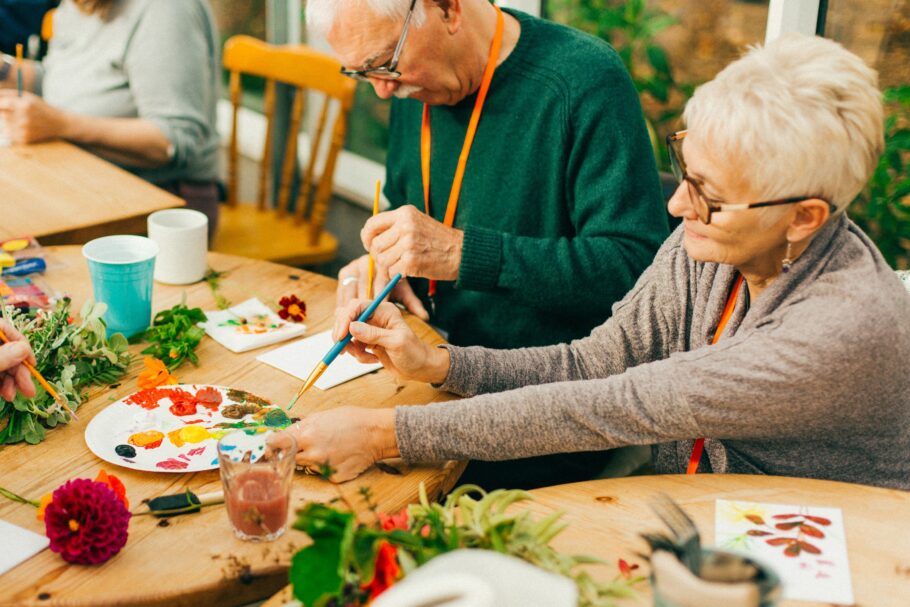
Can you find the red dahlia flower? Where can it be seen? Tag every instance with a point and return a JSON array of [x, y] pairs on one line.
[[86, 521], [292, 308]]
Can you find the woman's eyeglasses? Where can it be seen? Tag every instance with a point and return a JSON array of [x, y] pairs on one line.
[[705, 206], [388, 70]]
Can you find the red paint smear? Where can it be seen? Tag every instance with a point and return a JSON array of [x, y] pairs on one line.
[[172, 464], [183, 457], [193, 421], [196, 451], [148, 399], [209, 398]]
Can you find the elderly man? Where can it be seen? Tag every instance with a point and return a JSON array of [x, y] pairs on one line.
[[526, 200]]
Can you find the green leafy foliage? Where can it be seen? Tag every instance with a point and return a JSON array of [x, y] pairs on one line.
[[342, 556], [882, 210], [174, 335], [70, 356]]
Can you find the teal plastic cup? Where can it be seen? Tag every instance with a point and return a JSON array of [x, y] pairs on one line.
[[122, 269]]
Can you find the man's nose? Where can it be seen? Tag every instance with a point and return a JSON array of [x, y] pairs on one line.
[[384, 88]]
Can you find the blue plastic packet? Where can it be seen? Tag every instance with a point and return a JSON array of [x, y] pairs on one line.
[[23, 267]]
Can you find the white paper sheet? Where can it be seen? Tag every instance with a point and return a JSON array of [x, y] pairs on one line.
[[19, 545], [806, 546], [248, 326], [299, 359]]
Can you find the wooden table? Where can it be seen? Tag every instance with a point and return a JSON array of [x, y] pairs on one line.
[[195, 559], [61, 194], [606, 516]]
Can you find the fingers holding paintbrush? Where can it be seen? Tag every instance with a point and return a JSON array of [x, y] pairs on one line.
[[15, 353]]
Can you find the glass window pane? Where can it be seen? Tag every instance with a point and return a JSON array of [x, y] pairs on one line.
[[242, 17], [669, 46], [876, 30]]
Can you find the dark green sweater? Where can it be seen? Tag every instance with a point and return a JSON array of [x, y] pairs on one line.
[[560, 206]]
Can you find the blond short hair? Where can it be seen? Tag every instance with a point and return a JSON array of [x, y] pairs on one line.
[[800, 116], [321, 14]]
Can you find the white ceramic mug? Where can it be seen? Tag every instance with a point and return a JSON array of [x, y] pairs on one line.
[[182, 237]]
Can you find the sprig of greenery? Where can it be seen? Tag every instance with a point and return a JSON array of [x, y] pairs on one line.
[[343, 554], [213, 279], [174, 335], [70, 356]]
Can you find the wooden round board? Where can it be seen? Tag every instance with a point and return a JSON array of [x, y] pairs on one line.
[[176, 428]]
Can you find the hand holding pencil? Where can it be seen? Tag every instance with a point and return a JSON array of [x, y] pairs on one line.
[[14, 353]]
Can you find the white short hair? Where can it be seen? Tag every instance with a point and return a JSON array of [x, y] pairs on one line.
[[801, 116], [320, 14]]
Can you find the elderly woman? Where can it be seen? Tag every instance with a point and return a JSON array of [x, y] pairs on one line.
[[135, 81], [768, 322]]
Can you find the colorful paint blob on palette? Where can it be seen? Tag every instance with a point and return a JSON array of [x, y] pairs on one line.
[[242, 410]]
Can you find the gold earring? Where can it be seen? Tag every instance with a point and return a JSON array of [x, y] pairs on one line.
[[787, 263]]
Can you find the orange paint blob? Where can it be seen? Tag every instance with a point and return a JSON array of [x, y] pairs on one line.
[[150, 439]]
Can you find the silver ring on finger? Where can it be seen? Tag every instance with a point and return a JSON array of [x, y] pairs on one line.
[[347, 280]]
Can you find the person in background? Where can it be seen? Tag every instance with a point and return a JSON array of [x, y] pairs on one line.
[[134, 81], [559, 208], [769, 324], [13, 374], [20, 20]]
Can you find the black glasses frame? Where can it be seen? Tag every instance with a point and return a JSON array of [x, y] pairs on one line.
[[704, 205], [388, 70]]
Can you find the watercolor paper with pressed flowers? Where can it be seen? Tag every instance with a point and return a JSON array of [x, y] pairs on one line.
[[251, 325]]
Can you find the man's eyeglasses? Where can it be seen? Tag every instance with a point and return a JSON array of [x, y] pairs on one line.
[[705, 206], [386, 71]]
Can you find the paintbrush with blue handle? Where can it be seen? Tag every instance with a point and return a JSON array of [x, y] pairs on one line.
[[332, 354]]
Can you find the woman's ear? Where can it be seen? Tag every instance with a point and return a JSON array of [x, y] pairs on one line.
[[809, 217]]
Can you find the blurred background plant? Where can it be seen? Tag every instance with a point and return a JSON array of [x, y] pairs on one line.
[[882, 210]]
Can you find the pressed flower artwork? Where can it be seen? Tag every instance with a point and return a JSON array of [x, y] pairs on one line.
[[806, 546]]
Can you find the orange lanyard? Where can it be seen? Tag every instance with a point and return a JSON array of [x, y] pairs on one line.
[[724, 318], [468, 138]]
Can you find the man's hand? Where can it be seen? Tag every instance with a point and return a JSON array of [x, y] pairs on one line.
[[391, 342], [13, 374], [407, 241], [353, 282], [29, 119], [347, 439]]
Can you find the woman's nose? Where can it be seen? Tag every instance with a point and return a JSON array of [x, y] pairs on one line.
[[680, 204], [384, 88]]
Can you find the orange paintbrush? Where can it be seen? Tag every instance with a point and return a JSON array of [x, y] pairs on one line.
[[41, 380]]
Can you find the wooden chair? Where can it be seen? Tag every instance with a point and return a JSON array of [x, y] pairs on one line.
[[261, 230]]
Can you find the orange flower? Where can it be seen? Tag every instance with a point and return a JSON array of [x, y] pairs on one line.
[[103, 477], [42, 506], [114, 483], [155, 374], [386, 572]]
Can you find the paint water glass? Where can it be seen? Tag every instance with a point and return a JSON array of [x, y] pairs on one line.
[[257, 470]]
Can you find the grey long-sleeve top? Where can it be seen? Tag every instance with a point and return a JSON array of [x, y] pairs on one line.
[[152, 59], [810, 380]]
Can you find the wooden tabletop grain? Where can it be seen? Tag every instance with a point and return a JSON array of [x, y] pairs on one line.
[[605, 518], [195, 559], [62, 194]]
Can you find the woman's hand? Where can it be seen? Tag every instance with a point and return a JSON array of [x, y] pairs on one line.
[[392, 343], [348, 439], [29, 119], [13, 374]]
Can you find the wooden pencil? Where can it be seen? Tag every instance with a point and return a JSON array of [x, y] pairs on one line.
[[371, 275], [19, 69]]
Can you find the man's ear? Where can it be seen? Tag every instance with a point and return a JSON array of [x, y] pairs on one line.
[[451, 13], [809, 217]]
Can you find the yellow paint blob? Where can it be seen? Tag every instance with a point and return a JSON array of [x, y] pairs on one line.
[[189, 434], [149, 439], [15, 245]]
